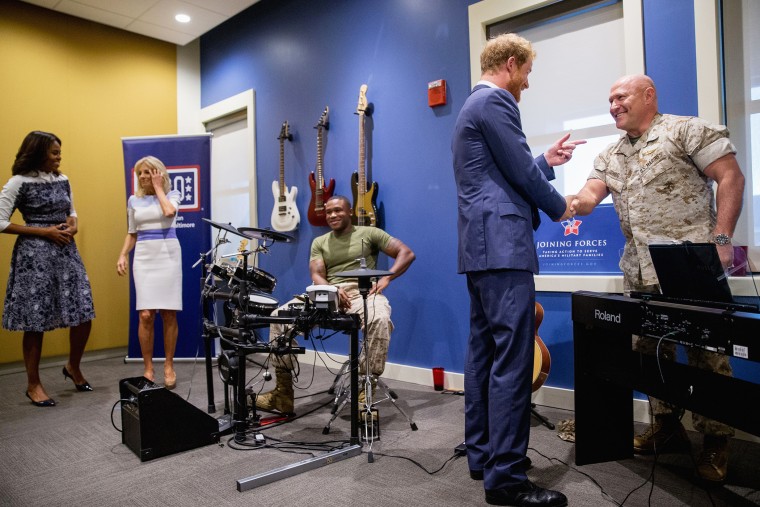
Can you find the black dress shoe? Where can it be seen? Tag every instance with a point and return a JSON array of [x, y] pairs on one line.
[[44, 403], [526, 494], [80, 387]]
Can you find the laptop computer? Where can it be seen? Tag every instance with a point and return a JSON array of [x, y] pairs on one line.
[[691, 273]]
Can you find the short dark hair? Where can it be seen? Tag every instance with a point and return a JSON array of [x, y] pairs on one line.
[[340, 198], [33, 152]]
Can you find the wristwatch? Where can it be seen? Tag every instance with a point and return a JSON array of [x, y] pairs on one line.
[[722, 239]]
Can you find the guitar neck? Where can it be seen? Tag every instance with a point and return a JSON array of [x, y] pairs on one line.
[[362, 184], [282, 169], [320, 180]]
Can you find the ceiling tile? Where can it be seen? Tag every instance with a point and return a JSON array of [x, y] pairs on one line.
[[49, 4], [227, 7], [93, 14], [162, 14], [152, 18], [131, 8], [161, 33]]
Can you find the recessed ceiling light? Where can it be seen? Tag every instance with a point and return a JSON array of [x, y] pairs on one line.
[[182, 18]]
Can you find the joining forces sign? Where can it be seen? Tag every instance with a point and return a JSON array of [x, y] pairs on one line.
[[592, 246]]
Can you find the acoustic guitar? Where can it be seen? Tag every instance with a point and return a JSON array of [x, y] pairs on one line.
[[285, 216], [542, 361], [365, 197], [320, 193]]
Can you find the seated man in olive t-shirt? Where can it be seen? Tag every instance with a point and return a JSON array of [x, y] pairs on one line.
[[337, 251]]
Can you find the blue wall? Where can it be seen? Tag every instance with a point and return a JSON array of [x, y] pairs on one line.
[[671, 60], [300, 55]]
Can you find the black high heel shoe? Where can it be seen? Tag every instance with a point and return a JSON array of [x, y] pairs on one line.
[[50, 402], [80, 387]]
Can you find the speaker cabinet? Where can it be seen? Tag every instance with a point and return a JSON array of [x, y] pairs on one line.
[[156, 422]]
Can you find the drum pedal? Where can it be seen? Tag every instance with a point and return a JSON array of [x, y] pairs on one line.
[[369, 431]]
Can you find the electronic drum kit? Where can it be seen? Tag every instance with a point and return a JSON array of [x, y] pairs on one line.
[[246, 294], [248, 304], [246, 289]]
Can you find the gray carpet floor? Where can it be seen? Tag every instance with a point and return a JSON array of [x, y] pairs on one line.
[[72, 454]]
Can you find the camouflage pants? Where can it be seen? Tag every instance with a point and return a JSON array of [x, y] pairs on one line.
[[378, 336], [697, 357]]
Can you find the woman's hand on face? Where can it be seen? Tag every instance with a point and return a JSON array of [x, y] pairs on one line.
[[157, 179]]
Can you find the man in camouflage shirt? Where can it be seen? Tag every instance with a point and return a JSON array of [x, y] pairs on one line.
[[660, 175]]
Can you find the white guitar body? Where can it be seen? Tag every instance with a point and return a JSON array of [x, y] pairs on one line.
[[285, 216]]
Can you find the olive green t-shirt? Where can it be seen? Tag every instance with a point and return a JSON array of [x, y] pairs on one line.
[[341, 253]]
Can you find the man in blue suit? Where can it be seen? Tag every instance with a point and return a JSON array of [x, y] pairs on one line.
[[500, 189]]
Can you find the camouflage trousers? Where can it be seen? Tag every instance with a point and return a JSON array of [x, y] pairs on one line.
[[698, 358], [377, 339]]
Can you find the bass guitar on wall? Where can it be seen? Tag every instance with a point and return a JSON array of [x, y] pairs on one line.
[[285, 216], [365, 197], [320, 193]]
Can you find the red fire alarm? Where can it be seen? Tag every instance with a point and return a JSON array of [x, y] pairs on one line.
[[437, 93]]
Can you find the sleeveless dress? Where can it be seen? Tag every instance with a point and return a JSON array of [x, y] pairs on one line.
[[157, 263], [48, 287]]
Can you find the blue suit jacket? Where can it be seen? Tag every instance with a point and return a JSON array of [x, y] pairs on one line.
[[500, 186]]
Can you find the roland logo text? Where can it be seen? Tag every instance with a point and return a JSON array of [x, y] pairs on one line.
[[607, 317]]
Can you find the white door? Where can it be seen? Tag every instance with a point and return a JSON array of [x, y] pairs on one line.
[[233, 172]]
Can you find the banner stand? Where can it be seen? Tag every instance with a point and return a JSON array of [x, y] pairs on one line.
[[188, 160]]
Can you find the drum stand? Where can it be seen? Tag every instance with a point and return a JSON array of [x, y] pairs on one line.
[[353, 449], [364, 277], [205, 315], [247, 343], [343, 396]]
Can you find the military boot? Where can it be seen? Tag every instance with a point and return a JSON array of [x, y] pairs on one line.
[[666, 432], [281, 397], [712, 465]]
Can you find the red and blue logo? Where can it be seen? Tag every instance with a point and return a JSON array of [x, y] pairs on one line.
[[571, 226]]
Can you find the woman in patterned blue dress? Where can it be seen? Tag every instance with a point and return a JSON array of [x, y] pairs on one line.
[[157, 263], [48, 287]]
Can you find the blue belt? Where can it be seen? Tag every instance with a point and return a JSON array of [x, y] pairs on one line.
[[151, 234]]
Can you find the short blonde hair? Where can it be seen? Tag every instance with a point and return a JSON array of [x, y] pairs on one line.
[[500, 48], [152, 163]]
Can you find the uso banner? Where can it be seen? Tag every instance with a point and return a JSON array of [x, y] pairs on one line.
[[590, 245], [188, 160]]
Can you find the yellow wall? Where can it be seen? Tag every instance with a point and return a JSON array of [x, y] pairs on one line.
[[91, 85]]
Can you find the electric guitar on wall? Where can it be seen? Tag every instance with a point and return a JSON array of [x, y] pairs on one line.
[[365, 198], [320, 193], [285, 216], [542, 361]]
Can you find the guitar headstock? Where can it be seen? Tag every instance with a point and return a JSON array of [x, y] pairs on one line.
[[285, 132], [323, 122], [362, 106], [242, 248]]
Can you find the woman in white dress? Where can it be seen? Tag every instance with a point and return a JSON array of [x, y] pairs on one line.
[[157, 263]]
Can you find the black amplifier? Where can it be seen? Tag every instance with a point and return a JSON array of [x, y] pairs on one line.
[[156, 422]]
